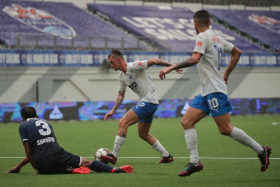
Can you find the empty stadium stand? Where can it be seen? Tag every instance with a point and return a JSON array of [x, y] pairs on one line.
[[59, 25], [172, 26], [261, 25]]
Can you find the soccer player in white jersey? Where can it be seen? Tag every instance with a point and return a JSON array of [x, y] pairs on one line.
[[136, 78], [213, 99]]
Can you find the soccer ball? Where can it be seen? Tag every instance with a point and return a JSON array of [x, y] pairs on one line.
[[99, 152]]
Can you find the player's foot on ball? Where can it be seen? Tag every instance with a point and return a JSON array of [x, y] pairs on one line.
[[109, 158], [167, 159], [264, 158], [191, 168]]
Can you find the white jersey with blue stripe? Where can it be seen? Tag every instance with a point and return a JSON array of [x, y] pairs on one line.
[[212, 47], [137, 79]]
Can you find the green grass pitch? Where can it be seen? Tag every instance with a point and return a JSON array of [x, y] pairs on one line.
[[226, 162]]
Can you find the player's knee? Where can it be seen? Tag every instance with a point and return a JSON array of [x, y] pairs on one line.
[[143, 136], [122, 125], [225, 131], [186, 123]]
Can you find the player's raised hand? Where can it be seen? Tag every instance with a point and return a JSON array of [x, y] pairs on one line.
[[108, 115], [163, 72], [14, 170]]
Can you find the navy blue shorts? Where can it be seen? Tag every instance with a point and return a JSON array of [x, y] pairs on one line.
[[214, 104], [145, 111], [58, 163]]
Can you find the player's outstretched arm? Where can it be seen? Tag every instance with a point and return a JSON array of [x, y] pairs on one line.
[[26, 160], [235, 55], [194, 59], [160, 62], [18, 167], [118, 102]]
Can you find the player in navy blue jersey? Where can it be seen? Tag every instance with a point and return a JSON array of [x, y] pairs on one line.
[[44, 153]]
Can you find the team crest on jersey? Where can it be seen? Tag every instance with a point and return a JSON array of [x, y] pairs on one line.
[[199, 43], [40, 20], [130, 76], [140, 63], [266, 22]]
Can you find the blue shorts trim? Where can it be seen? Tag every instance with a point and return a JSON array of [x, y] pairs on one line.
[[214, 104], [145, 111]]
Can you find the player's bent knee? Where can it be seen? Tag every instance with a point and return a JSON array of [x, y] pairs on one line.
[[225, 132], [143, 136], [123, 125], [186, 124]]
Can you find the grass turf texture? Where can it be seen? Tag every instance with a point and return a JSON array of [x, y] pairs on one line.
[[84, 138]]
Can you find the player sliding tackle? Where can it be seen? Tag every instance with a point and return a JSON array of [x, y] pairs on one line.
[[135, 77], [213, 100], [46, 156]]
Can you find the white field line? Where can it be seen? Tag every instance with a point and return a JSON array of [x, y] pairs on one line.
[[209, 158]]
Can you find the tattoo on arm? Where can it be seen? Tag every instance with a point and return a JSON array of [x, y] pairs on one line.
[[119, 101], [185, 64], [162, 62], [123, 135]]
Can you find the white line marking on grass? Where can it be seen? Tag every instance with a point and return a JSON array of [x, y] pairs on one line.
[[209, 158], [275, 123]]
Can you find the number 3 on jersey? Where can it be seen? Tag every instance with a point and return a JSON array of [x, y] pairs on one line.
[[46, 130]]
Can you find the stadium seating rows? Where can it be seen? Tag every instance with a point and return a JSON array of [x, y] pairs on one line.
[[36, 24], [264, 25], [48, 19], [172, 26]]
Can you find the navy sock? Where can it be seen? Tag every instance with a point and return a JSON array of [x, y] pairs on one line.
[[100, 167]]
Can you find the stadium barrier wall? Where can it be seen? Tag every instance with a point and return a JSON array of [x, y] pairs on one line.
[[50, 58], [256, 77], [96, 110]]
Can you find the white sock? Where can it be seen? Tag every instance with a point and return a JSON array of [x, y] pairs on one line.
[[117, 145], [240, 136], [191, 140], [158, 147]]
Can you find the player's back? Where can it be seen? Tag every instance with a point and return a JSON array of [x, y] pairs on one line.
[[41, 138], [212, 47]]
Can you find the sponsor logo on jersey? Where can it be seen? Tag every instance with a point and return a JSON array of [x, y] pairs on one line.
[[266, 22], [140, 63], [199, 43], [40, 20]]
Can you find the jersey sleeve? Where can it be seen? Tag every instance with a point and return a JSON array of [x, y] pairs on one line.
[[23, 133], [201, 43], [122, 86], [227, 45], [138, 65]]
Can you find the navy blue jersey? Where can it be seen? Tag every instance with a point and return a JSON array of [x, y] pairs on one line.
[[41, 138]]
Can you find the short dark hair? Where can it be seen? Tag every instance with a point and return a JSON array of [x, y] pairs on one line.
[[28, 112], [202, 17], [115, 52]]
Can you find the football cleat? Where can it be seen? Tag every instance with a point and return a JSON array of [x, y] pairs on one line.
[[191, 168], [81, 170], [108, 158], [167, 159], [123, 169], [264, 158]]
